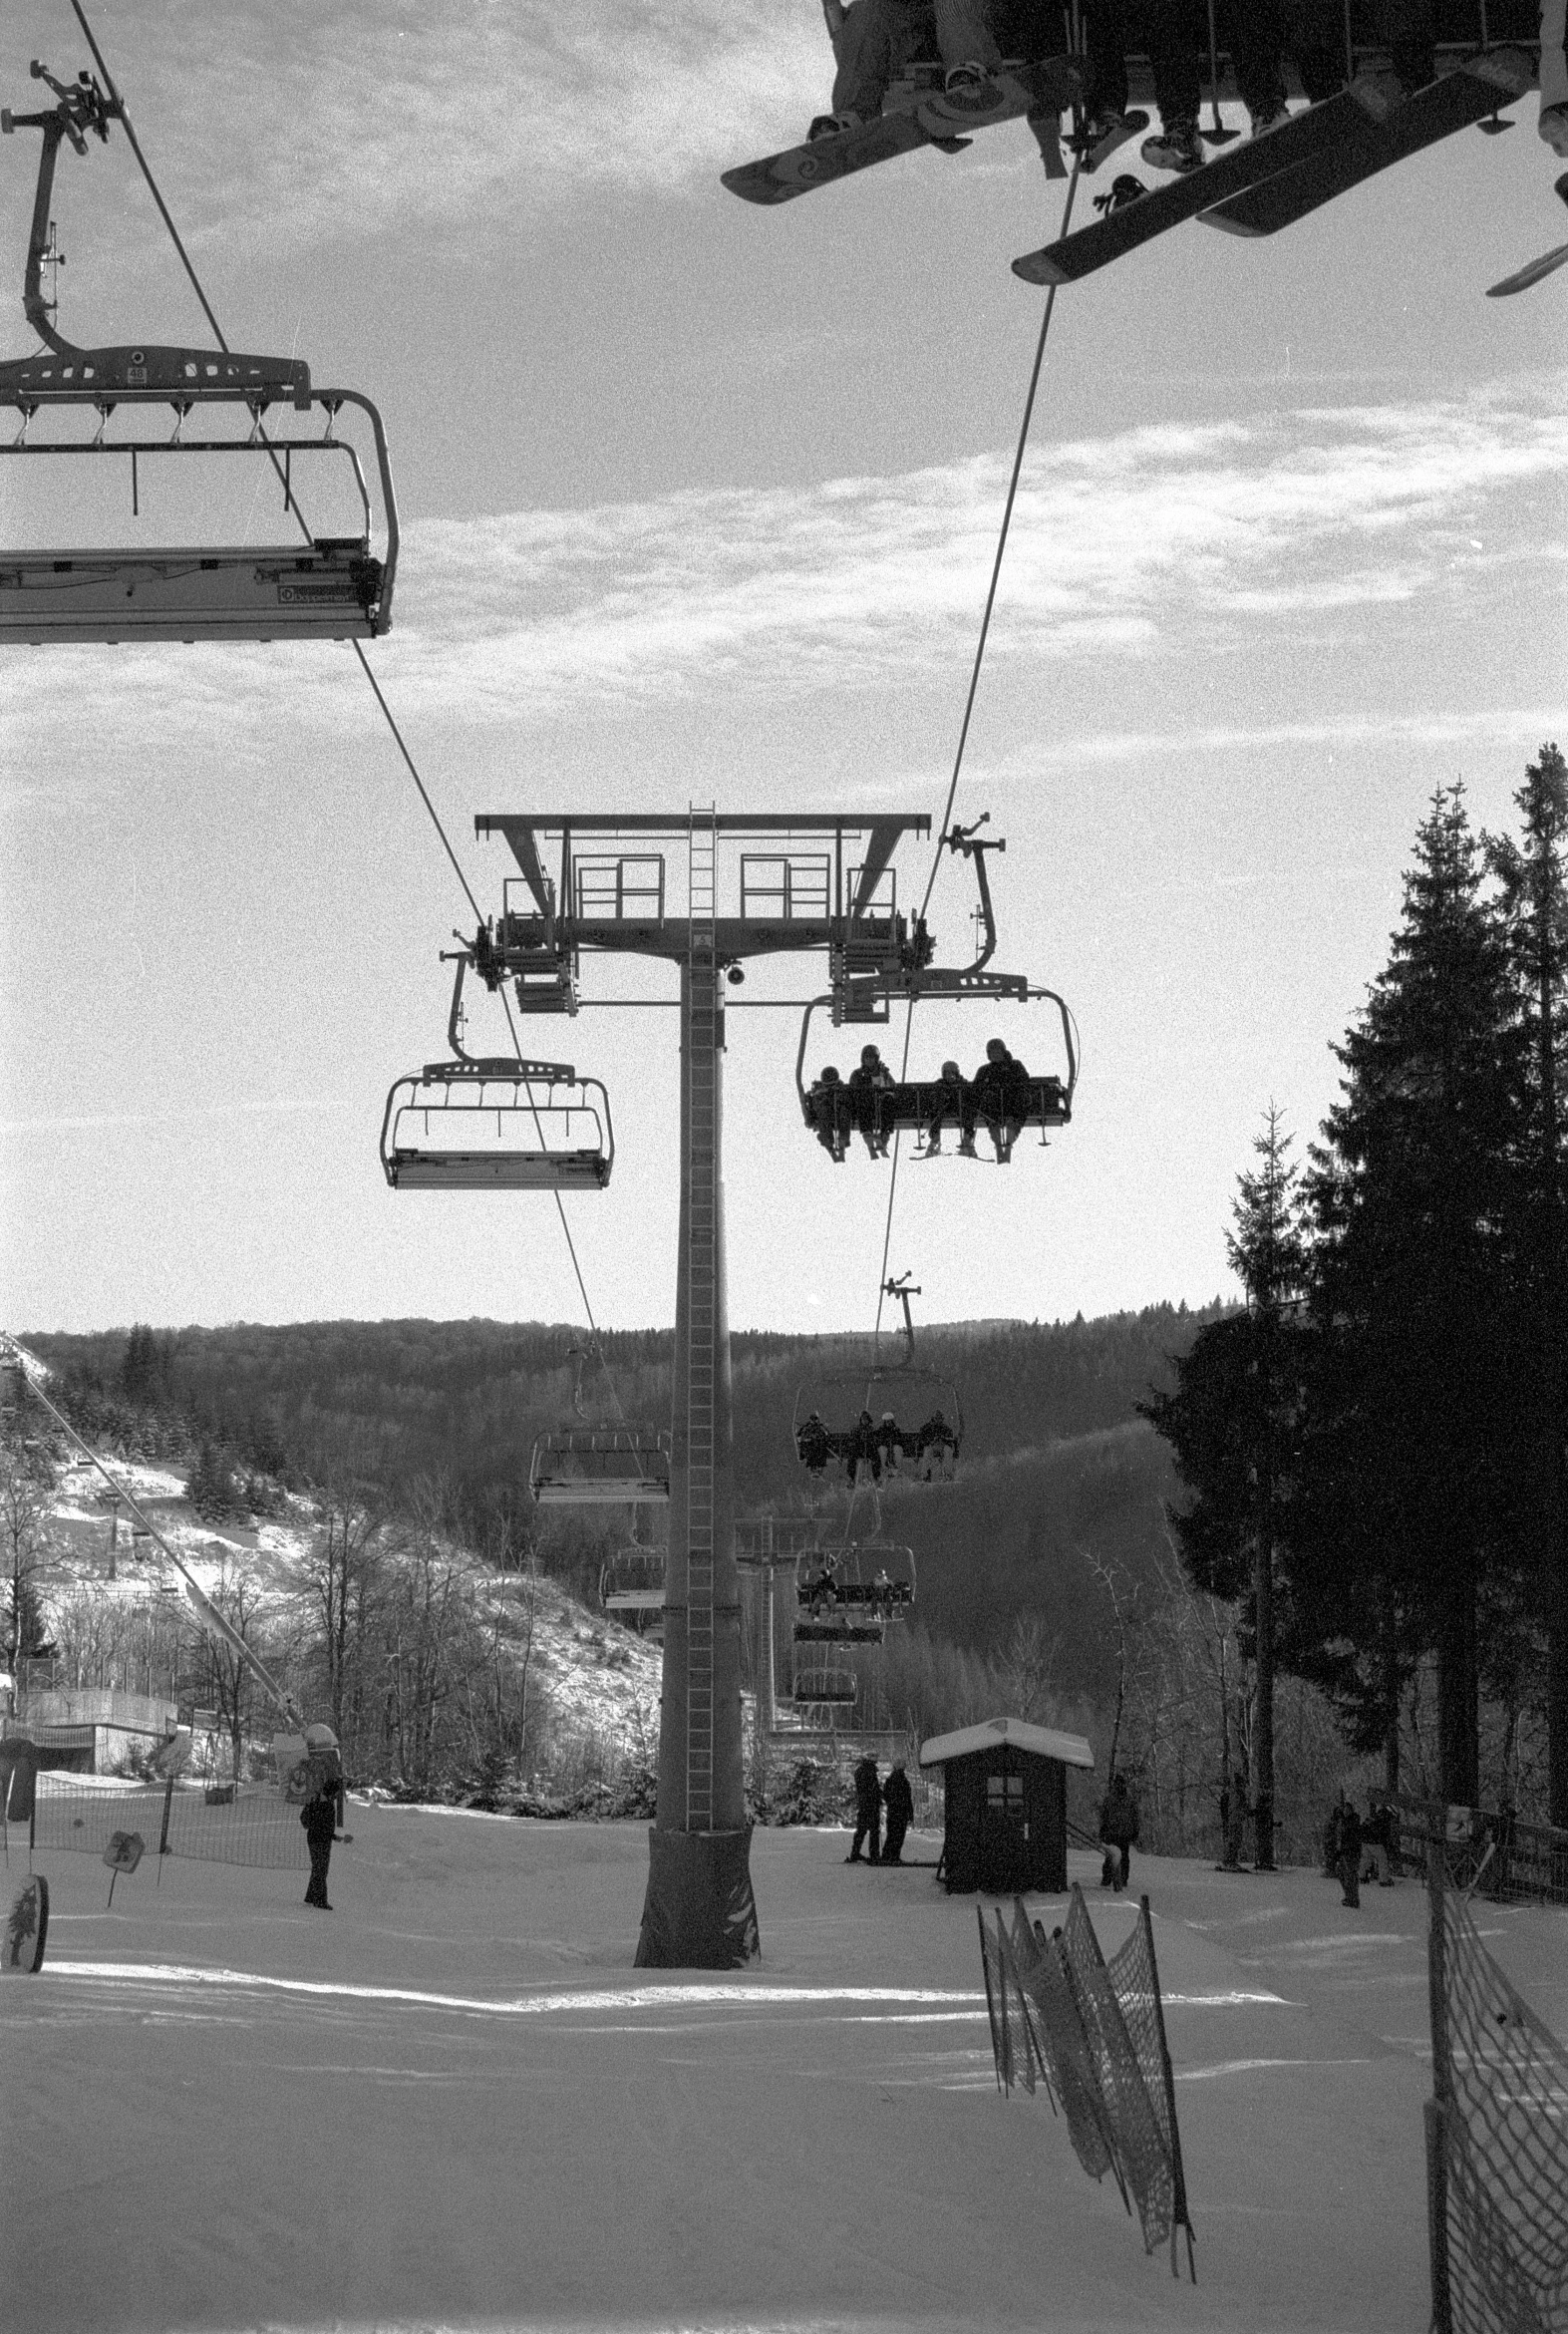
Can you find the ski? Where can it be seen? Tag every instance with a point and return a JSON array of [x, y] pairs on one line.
[[931, 118], [1409, 125], [1532, 272], [1124, 228]]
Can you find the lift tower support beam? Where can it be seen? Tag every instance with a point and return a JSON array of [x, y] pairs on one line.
[[700, 1912]]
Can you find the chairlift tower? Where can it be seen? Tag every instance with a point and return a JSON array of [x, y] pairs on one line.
[[806, 884]]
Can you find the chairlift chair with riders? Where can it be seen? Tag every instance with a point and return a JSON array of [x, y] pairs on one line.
[[847, 1596], [1003, 1096], [497, 1123], [888, 1423], [317, 588]]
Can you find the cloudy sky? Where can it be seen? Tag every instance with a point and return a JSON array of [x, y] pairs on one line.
[[700, 504]]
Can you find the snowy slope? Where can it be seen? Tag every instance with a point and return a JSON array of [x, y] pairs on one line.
[[602, 1678], [452, 2104]]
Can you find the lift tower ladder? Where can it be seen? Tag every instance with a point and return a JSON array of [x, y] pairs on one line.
[[700, 1050]]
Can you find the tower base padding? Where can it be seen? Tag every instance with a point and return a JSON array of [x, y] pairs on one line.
[[698, 1912]]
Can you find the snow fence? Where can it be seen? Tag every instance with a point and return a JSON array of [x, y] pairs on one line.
[[1496, 2137], [1094, 2033], [251, 1823]]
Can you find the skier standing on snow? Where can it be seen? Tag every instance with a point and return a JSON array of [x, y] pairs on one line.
[[899, 1802], [1118, 1828], [1350, 1854], [868, 1812], [323, 1811]]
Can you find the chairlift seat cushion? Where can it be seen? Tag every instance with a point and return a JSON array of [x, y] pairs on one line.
[[488, 1171]]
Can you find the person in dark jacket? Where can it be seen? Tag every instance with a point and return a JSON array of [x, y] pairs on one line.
[[1118, 1826], [319, 1815], [899, 1801], [868, 1812], [1351, 1844]]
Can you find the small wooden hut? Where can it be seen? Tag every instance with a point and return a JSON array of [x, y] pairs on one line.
[[1006, 1790]]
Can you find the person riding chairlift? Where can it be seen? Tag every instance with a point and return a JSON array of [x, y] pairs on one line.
[[955, 1107], [873, 1078], [936, 1449], [864, 1452], [829, 1107], [1002, 1098]]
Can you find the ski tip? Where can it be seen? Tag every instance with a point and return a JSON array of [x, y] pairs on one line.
[[1230, 226], [1039, 267]]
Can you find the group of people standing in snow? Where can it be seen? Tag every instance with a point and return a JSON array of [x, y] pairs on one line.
[[874, 41], [1358, 1847], [873, 1799]]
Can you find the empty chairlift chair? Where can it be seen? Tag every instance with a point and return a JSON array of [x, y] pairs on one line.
[[631, 1586], [498, 1125], [827, 1689], [600, 1466], [327, 586]]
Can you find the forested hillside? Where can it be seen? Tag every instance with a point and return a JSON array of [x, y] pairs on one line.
[[1058, 1467]]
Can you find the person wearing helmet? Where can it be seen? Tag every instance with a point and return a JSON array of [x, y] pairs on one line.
[[323, 1809]]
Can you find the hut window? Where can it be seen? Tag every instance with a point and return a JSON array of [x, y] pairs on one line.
[[1005, 1795]]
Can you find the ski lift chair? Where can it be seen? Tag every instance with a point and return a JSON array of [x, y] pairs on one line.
[[892, 1423], [830, 1688], [600, 1466], [632, 1584], [846, 1596], [486, 1125], [317, 588], [836, 1111]]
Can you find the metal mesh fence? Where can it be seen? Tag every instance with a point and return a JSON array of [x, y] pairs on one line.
[[1498, 2136], [1097, 2035], [218, 1824], [1139, 2142]]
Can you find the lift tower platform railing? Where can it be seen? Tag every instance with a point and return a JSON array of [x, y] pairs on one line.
[[809, 883]]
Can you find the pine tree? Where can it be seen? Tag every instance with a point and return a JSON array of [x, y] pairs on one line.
[[1268, 1256], [1533, 881], [1228, 1423], [1413, 1397]]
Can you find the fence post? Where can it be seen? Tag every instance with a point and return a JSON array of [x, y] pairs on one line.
[[1181, 2218], [1440, 2106]]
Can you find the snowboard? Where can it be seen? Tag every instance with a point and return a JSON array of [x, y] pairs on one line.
[[1534, 269], [1409, 125], [1129, 224], [1091, 156], [26, 1928], [919, 114]]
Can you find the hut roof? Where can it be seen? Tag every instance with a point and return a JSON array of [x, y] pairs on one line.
[[1044, 1741]]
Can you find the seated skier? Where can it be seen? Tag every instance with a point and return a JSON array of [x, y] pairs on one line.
[[815, 1444], [864, 1457], [997, 1086], [829, 1104], [891, 1442], [874, 41], [866, 1085], [1261, 32], [936, 1449], [953, 1106]]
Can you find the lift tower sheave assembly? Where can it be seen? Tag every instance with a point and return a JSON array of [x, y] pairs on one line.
[[808, 884]]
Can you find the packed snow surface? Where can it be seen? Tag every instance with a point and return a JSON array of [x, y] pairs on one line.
[[452, 2102]]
